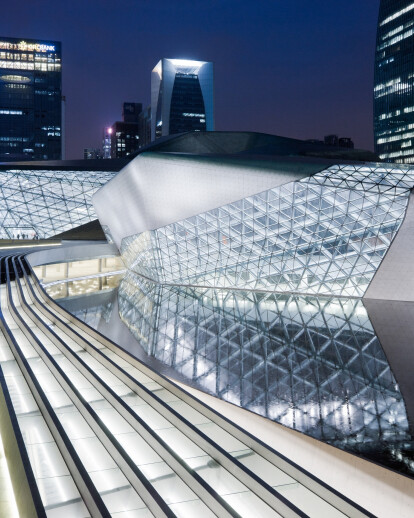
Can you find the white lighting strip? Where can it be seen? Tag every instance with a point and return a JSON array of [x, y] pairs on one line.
[[29, 246], [397, 14]]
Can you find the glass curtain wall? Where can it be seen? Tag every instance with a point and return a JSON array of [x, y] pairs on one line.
[[394, 76]]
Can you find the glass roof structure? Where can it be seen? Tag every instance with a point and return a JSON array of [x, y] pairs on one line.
[[43, 203], [325, 234], [313, 364], [259, 303]]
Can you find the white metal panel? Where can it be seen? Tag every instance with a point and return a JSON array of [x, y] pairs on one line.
[[394, 279], [154, 190]]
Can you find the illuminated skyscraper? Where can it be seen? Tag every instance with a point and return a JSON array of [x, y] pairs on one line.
[[30, 100], [181, 97], [394, 78]]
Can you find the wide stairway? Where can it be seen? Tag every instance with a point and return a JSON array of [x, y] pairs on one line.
[[98, 433]]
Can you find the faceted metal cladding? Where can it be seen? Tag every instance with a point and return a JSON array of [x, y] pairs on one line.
[[313, 364], [252, 301], [325, 234], [44, 203]]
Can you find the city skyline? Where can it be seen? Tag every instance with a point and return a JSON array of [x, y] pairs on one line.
[[299, 70]]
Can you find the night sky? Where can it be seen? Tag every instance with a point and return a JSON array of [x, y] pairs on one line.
[[297, 68]]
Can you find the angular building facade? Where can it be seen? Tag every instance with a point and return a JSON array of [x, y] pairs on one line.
[[323, 233], [244, 279], [30, 100], [248, 274], [182, 97], [394, 82]]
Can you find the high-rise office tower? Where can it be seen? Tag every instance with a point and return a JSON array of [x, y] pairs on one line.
[[124, 139], [394, 82], [182, 97], [30, 100], [125, 133]]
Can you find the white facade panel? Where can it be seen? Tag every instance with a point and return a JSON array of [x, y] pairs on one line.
[[394, 279], [154, 190]]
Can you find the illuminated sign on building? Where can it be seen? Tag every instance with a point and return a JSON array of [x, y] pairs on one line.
[[23, 46], [30, 83]]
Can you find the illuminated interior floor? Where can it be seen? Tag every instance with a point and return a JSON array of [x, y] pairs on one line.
[[63, 271]]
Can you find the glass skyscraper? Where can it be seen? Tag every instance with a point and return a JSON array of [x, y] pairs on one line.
[[30, 100], [181, 97], [394, 77]]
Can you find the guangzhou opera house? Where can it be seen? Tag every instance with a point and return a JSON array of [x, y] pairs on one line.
[[222, 325]]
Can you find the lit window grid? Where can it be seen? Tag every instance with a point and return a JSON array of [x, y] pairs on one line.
[[21, 65], [303, 237], [393, 91], [288, 357], [45, 202]]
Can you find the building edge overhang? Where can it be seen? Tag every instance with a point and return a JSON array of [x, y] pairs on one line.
[[262, 146], [248, 142], [156, 189], [111, 165]]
